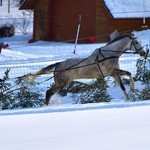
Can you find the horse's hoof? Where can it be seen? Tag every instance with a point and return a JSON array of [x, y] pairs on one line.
[[45, 104]]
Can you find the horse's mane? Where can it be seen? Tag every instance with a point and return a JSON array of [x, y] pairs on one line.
[[118, 38]]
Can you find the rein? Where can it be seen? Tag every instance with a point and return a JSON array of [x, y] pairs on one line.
[[97, 61], [73, 67], [118, 51]]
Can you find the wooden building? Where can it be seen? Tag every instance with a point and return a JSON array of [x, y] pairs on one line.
[[57, 20]]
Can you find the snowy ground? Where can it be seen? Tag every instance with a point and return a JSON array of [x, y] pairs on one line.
[[124, 128], [24, 58], [117, 125]]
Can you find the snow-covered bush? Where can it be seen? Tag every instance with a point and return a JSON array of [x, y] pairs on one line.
[[13, 95], [27, 95], [5, 96], [143, 75], [143, 69], [145, 93], [7, 30], [96, 92]]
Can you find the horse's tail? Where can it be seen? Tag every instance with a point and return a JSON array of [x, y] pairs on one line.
[[48, 69]]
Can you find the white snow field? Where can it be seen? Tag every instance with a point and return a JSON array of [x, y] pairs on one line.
[[124, 128]]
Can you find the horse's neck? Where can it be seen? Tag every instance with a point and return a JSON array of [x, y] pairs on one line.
[[119, 46]]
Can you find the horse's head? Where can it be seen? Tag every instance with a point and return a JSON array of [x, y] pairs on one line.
[[136, 46]]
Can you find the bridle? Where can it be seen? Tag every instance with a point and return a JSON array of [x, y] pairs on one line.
[[133, 44]]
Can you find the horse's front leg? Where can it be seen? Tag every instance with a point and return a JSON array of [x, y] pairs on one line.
[[119, 72], [119, 82]]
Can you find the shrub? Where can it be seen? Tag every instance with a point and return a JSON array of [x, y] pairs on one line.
[[143, 75], [23, 95], [27, 96], [23, 24], [6, 97], [96, 92], [143, 70], [145, 93], [7, 30]]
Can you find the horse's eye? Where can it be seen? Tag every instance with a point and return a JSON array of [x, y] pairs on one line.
[[136, 42]]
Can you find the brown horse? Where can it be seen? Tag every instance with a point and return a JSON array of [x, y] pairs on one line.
[[101, 63]]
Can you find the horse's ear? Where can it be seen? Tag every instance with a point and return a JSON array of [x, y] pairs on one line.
[[114, 34], [132, 36]]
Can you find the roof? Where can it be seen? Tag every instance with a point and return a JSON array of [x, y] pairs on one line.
[[128, 8], [117, 8], [28, 4]]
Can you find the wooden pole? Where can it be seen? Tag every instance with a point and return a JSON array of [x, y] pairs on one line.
[[77, 35], [8, 6], [0, 2], [144, 26], [143, 11]]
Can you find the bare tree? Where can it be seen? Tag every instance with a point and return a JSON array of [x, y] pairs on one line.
[[24, 22]]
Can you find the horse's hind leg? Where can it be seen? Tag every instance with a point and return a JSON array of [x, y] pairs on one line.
[[54, 88], [50, 93], [119, 82]]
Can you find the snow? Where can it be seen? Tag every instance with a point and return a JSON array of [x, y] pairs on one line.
[[128, 8], [14, 12], [117, 125], [112, 128]]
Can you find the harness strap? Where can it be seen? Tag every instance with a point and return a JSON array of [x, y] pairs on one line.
[[74, 66], [97, 62], [104, 58], [99, 66], [101, 52]]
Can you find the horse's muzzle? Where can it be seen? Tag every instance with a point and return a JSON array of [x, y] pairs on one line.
[[144, 53]]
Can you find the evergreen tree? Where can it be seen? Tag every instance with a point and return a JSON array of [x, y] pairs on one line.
[[95, 93]]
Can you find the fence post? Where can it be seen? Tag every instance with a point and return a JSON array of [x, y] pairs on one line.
[[0, 2], [8, 6], [77, 35]]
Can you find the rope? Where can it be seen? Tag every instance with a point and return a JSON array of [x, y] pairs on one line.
[[100, 35]]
